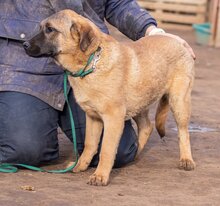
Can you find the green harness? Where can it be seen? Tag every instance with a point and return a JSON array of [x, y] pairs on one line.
[[12, 168]]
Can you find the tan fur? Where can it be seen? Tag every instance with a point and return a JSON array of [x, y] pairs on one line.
[[128, 78], [161, 115]]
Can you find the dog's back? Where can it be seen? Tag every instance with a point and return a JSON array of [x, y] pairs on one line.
[[154, 64]]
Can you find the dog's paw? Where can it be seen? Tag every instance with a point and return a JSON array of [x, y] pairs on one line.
[[187, 164], [80, 167], [69, 164], [98, 180]]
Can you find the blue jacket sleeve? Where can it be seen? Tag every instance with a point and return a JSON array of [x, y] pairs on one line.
[[128, 17]]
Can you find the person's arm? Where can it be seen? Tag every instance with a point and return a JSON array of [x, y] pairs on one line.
[[134, 22], [128, 17], [153, 30]]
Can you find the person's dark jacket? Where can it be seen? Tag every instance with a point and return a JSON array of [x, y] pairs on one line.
[[40, 77]]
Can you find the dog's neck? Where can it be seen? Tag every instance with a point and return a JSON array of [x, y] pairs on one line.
[[73, 62], [87, 67]]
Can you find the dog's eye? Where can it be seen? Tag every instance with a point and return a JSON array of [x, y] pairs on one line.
[[50, 29]]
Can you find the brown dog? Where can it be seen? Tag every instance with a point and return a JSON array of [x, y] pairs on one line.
[[125, 81]]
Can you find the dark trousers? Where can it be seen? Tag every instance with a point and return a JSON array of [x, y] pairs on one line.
[[28, 131]]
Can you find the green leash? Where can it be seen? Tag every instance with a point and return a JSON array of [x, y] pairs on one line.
[[12, 168]]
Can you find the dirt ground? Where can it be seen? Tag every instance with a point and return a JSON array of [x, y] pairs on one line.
[[153, 180]]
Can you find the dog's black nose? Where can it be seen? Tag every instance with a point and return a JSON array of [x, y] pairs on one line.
[[26, 45]]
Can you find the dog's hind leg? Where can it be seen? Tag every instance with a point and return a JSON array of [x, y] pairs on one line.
[[144, 130], [180, 102], [161, 115], [94, 128]]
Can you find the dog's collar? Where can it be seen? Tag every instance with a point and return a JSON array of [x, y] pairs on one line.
[[83, 72]]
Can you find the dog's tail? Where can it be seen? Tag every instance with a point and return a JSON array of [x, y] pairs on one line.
[[161, 115]]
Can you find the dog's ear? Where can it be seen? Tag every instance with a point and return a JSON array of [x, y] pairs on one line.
[[88, 40]]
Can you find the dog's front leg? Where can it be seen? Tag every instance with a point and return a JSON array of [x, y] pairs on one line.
[[113, 128], [94, 128]]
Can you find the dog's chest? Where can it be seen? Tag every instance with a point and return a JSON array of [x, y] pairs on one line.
[[86, 97], [87, 104]]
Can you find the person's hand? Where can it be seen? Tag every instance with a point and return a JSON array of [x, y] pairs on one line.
[[153, 30]]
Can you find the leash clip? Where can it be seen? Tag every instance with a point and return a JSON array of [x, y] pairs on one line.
[[96, 57]]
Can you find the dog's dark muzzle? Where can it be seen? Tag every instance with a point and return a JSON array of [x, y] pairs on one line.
[[38, 46], [34, 50], [31, 50]]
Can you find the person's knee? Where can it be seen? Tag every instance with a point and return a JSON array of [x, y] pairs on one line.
[[21, 153], [32, 153], [30, 149], [28, 132]]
